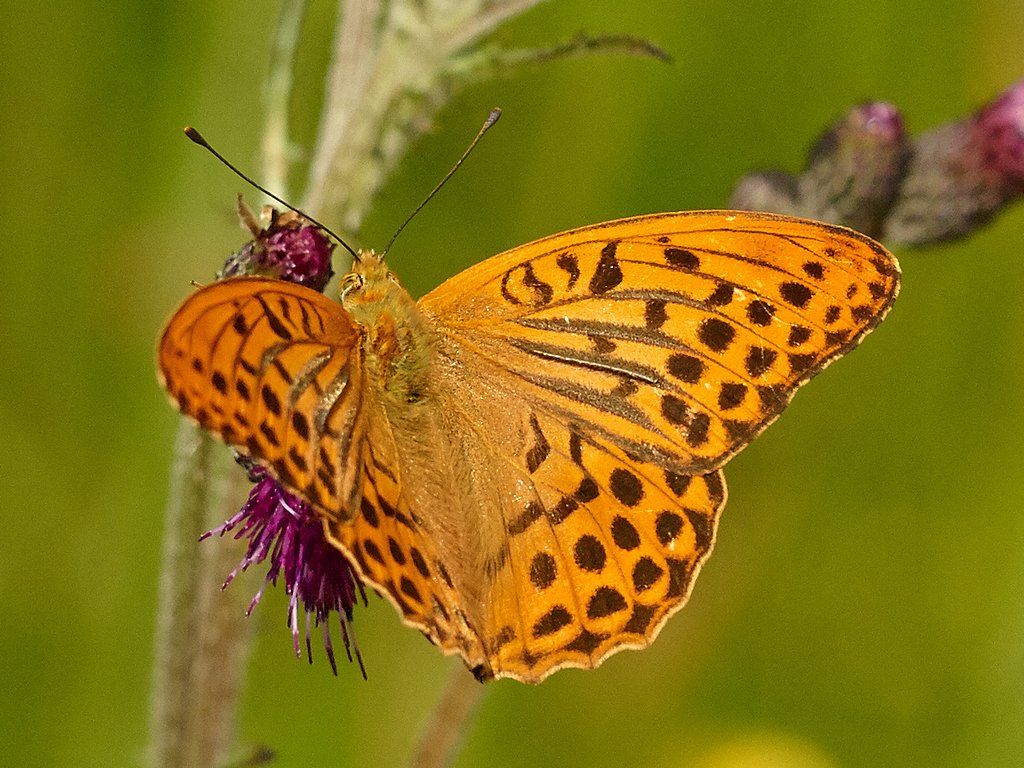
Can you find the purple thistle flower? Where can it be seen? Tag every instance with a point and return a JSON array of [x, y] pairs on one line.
[[283, 528], [286, 246], [962, 173]]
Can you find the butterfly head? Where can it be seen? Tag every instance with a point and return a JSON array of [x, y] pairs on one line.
[[370, 288], [395, 337]]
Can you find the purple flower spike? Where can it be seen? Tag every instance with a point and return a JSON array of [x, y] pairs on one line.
[[283, 528], [286, 246]]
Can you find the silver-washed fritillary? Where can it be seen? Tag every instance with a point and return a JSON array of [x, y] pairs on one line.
[[527, 461]]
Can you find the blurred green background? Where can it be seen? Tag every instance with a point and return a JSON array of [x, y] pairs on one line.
[[865, 604]]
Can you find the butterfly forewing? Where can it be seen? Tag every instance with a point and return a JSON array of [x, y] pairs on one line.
[[678, 337], [275, 370], [610, 371]]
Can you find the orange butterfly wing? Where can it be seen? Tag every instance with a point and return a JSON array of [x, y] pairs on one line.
[[275, 370], [677, 336], [390, 545], [618, 366]]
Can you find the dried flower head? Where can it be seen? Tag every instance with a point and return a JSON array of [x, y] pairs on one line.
[[962, 173]]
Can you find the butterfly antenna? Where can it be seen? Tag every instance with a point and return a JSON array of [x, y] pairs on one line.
[[197, 137], [492, 118]]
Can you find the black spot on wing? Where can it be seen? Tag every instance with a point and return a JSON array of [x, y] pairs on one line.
[[541, 448], [570, 265], [608, 273], [680, 258]]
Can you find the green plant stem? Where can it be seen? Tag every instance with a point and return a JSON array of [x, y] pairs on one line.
[[192, 708], [490, 17], [176, 618], [356, 47], [224, 637], [394, 66], [202, 643], [277, 92], [445, 730]]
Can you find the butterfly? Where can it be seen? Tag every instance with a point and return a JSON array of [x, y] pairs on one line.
[[527, 462]]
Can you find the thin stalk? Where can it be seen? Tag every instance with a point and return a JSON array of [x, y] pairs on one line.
[[446, 729], [174, 656], [486, 21], [225, 637], [277, 94], [352, 64], [192, 719]]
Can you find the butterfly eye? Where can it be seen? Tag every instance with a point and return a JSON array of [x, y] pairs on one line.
[[350, 282]]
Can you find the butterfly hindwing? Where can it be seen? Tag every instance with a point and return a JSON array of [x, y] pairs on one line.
[[582, 549], [395, 552], [605, 552]]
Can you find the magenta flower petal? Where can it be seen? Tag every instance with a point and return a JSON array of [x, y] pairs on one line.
[[302, 255], [998, 130], [283, 530]]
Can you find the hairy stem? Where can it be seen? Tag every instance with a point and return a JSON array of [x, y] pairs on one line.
[[192, 709], [352, 64], [488, 19], [277, 92]]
